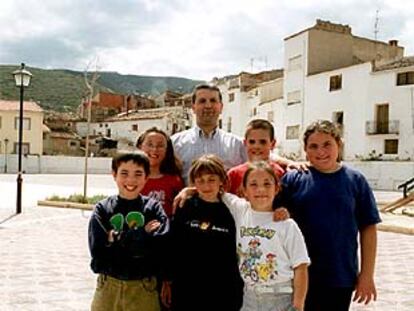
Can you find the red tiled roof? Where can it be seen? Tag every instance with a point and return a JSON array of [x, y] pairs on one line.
[[11, 105]]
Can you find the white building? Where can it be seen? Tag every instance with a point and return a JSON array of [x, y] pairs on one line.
[[367, 86], [127, 127]]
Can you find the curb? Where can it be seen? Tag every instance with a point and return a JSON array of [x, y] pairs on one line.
[[395, 229], [64, 204]]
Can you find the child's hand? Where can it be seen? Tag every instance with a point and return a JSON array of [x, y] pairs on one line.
[[152, 226], [183, 196], [281, 214], [112, 236], [365, 290], [166, 293], [299, 166]]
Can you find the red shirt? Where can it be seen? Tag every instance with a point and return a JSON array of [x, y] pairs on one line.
[[235, 176], [164, 189]]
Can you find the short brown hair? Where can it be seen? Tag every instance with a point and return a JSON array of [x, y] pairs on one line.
[[207, 164], [205, 87], [260, 124], [260, 165], [326, 127]]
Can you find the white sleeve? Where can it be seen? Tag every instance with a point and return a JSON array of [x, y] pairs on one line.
[[294, 244], [237, 206]]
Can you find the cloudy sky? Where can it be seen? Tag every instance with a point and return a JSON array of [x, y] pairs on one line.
[[188, 38]]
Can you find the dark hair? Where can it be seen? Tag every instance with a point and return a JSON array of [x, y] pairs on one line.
[[137, 157], [260, 124], [326, 127], [207, 164], [260, 165], [205, 87], [170, 165]]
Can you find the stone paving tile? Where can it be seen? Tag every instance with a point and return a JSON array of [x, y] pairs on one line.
[[45, 264]]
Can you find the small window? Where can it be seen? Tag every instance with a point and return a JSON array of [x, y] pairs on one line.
[[254, 111], [72, 143], [229, 124], [270, 116], [108, 132], [292, 132], [135, 127], [293, 97], [405, 78], [231, 97], [335, 83], [295, 63], [25, 148], [220, 124], [26, 123], [100, 125], [391, 146]]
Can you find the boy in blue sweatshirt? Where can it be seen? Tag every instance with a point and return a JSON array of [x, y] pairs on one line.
[[126, 236]]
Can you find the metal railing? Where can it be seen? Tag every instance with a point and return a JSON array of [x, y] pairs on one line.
[[377, 127], [407, 186]]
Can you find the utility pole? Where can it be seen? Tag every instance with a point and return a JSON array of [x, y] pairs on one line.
[[90, 86]]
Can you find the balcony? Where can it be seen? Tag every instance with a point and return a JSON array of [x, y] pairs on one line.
[[378, 128]]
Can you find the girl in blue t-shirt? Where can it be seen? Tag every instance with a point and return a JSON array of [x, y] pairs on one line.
[[332, 204]]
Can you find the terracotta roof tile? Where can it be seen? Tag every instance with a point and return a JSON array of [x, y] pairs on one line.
[[11, 105]]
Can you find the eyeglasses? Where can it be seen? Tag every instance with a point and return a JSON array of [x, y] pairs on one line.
[[151, 146]]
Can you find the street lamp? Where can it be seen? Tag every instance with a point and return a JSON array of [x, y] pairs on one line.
[[22, 78], [6, 141]]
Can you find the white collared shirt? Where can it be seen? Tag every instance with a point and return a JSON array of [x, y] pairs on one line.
[[193, 143]]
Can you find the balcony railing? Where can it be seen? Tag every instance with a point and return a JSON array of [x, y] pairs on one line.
[[376, 127]]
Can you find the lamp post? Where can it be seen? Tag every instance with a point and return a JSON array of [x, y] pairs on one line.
[[22, 78], [6, 141]]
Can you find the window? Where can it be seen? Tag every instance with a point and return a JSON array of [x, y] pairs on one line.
[[25, 148], [220, 124], [292, 132], [293, 97], [270, 116], [391, 146], [295, 63], [231, 97], [229, 124], [405, 78], [335, 83], [72, 143], [100, 124], [135, 127], [108, 132], [338, 118], [26, 123], [254, 111]]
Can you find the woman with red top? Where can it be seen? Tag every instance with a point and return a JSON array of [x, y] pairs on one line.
[[164, 180]]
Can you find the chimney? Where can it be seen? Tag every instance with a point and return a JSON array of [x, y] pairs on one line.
[[393, 42]]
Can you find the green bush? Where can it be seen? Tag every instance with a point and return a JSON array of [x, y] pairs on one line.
[[78, 198]]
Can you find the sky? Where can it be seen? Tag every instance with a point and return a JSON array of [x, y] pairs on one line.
[[185, 38]]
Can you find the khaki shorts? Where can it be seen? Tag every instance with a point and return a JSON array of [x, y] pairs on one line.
[[116, 295]]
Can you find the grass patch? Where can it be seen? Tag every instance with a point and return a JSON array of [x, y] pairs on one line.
[[78, 198]]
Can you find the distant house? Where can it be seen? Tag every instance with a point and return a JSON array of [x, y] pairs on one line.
[[106, 104], [32, 127], [61, 138], [62, 143], [126, 127]]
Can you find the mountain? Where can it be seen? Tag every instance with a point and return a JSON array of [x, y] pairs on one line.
[[62, 90]]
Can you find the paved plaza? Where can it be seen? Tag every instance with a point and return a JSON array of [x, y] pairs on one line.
[[45, 260]]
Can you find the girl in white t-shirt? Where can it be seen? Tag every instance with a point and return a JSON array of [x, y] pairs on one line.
[[273, 258]]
